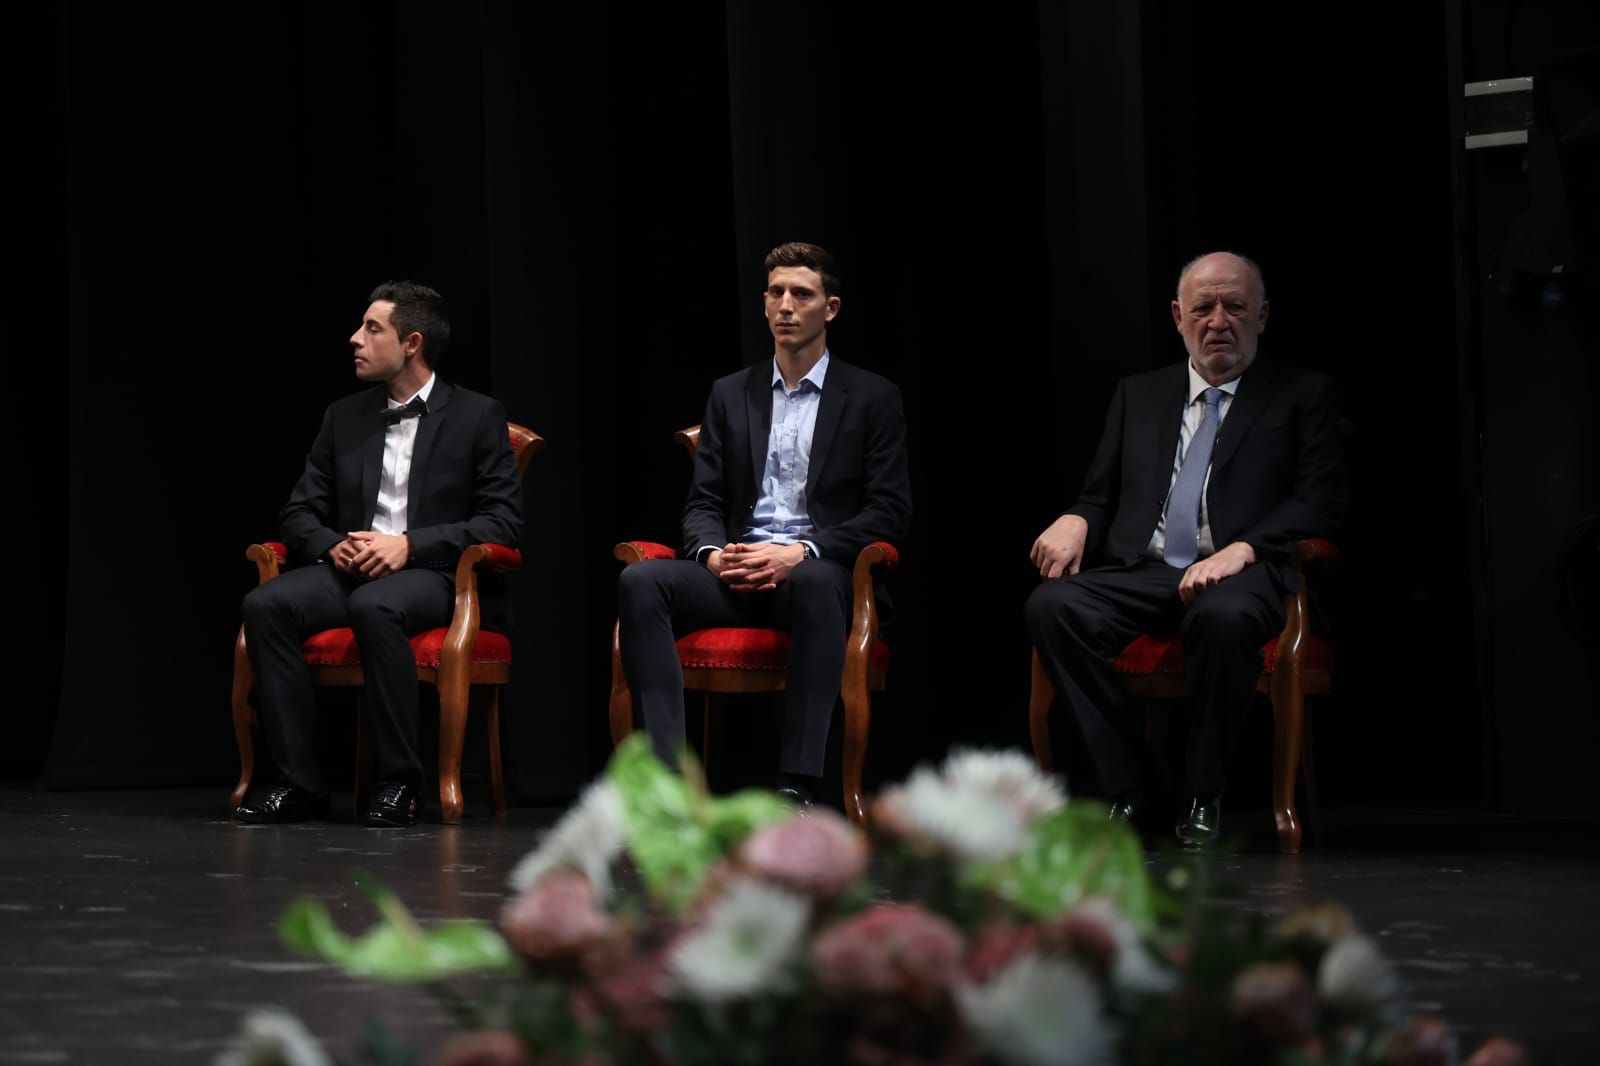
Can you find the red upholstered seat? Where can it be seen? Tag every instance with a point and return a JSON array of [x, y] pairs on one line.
[[1164, 655], [337, 647], [750, 649]]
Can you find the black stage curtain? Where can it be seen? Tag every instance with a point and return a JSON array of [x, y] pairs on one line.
[[1010, 187]]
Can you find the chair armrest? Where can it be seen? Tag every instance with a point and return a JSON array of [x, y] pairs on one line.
[[864, 596], [269, 557], [638, 551], [1317, 551]]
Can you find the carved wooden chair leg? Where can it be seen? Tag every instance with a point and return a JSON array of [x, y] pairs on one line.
[[621, 706], [1040, 695], [1287, 732], [454, 694], [497, 780], [244, 721], [857, 729]]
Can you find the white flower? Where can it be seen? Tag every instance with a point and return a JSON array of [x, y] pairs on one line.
[[1356, 979], [1010, 775], [274, 1037], [970, 823], [1133, 969], [1037, 1011], [588, 838], [748, 944]]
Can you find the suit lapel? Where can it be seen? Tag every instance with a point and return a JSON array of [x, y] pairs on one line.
[[427, 433], [1255, 390], [758, 416], [373, 430], [830, 409], [1173, 394]]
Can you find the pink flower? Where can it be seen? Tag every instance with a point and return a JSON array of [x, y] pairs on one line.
[[556, 918], [816, 855], [631, 994], [1498, 1051], [1275, 1002], [492, 1047], [889, 948], [996, 946], [1428, 1042], [1090, 933]]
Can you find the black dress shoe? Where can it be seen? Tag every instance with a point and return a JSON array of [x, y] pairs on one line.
[[282, 803], [1202, 826], [797, 789], [794, 797], [1126, 811], [394, 805]]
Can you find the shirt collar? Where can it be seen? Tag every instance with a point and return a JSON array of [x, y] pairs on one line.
[[815, 375], [424, 392], [1198, 385]]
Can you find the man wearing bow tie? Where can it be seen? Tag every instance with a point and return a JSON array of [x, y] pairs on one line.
[[402, 477], [1207, 473]]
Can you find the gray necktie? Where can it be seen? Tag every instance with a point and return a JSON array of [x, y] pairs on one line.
[[1182, 544]]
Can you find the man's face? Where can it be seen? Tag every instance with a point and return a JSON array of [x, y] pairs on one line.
[[380, 353], [1221, 313], [797, 311]]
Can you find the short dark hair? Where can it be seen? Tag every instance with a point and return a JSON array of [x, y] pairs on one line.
[[801, 254], [418, 309]]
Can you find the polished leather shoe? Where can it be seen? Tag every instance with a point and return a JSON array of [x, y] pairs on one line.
[[282, 803], [1124, 810], [1202, 826], [394, 805], [794, 797]]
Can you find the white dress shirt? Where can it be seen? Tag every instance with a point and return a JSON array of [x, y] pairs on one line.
[[399, 440]]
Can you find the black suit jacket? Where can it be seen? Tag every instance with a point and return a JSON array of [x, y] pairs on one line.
[[463, 487], [1277, 472], [858, 484]]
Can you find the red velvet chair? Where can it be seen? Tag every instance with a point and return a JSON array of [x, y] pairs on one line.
[[452, 660], [756, 660], [1296, 664]]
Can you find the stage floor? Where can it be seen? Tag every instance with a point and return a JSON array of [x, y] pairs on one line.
[[139, 927]]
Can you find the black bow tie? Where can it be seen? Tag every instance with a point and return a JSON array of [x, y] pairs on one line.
[[418, 406]]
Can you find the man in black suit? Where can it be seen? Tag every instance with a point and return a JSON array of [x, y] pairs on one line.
[[1206, 475], [401, 478], [801, 463]]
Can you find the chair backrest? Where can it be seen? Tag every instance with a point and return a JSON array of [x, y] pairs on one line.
[[690, 439], [525, 443]]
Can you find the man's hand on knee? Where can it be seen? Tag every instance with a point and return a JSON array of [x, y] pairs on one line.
[[1214, 568], [1059, 549]]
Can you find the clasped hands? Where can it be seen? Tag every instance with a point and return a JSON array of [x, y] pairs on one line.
[[754, 567], [371, 553], [1059, 550]]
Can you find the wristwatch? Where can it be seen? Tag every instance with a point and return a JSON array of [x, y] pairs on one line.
[[807, 553]]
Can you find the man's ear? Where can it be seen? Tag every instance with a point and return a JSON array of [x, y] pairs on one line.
[[412, 343], [833, 308]]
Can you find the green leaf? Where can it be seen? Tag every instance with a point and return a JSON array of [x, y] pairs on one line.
[[395, 950], [676, 832], [1074, 853]]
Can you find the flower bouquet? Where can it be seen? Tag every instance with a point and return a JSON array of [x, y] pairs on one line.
[[987, 921]]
